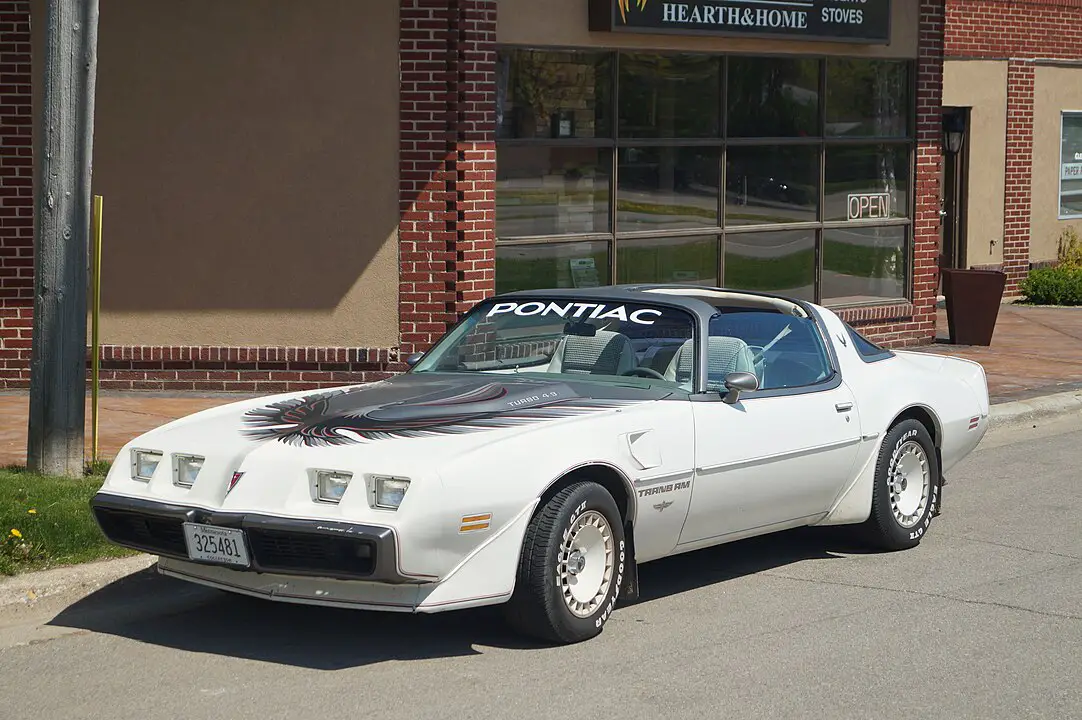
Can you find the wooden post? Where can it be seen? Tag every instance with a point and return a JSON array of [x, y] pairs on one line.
[[56, 437]]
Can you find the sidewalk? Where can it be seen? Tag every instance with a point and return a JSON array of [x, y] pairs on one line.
[[1035, 351]]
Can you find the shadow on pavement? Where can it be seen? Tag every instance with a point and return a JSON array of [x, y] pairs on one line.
[[150, 608]]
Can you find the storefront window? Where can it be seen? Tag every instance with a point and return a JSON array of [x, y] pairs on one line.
[[669, 96], [773, 97], [670, 259], [864, 264], [782, 262], [768, 185], [722, 170], [555, 95], [1070, 189], [667, 188], [552, 190], [868, 98], [855, 171], [556, 265]]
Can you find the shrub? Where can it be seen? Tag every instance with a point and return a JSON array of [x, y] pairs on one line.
[[1060, 285], [1070, 249]]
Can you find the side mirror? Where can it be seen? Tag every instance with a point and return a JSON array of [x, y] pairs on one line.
[[738, 382], [414, 358]]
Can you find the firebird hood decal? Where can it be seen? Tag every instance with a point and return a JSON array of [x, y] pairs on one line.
[[412, 409]]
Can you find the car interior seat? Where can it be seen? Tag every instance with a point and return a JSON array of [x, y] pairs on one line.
[[724, 355], [606, 353]]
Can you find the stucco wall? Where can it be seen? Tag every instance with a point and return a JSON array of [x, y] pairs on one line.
[[1056, 89], [982, 86], [565, 22], [247, 155]]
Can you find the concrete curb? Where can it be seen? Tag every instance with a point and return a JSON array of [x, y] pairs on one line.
[[30, 588], [1039, 408]]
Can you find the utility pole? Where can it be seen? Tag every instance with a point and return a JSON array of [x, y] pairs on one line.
[[56, 430]]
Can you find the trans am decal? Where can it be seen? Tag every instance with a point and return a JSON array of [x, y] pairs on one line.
[[368, 413]]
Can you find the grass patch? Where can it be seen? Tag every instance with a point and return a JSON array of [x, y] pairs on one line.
[[46, 522]]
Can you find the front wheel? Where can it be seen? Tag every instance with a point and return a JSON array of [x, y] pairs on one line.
[[571, 568], [906, 493]]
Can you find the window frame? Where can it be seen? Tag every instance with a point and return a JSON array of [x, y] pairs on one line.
[[1063, 115], [722, 230]]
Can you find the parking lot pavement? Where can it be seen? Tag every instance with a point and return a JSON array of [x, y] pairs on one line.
[[982, 620]]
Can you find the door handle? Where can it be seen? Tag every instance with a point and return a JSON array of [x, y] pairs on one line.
[[844, 407]]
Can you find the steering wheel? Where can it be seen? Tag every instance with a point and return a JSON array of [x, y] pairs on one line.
[[645, 372]]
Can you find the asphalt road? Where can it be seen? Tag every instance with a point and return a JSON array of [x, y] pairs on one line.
[[983, 620]]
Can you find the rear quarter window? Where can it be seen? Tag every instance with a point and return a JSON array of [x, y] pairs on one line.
[[868, 351]]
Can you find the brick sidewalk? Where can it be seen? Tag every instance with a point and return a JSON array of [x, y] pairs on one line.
[[1035, 351]]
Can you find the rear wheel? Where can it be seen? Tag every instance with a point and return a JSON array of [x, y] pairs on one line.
[[906, 493], [571, 568]]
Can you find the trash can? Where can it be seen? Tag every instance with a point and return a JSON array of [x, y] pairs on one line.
[[973, 299]]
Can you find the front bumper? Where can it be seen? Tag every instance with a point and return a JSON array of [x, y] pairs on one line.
[[282, 546]]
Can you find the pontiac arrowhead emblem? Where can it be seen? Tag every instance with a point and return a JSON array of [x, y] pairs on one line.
[[662, 505], [233, 482]]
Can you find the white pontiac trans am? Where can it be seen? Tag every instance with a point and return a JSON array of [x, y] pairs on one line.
[[546, 446]]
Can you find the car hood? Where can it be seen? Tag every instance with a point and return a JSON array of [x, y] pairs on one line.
[[411, 423]]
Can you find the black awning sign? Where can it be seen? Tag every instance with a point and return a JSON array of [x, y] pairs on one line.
[[865, 21]]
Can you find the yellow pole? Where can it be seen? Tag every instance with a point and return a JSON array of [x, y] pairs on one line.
[[95, 362]]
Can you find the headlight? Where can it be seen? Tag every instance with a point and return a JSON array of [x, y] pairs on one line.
[[144, 463], [389, 491], [331, 485], [186, 469]]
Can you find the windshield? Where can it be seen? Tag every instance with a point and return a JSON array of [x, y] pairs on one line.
[[580, 339]]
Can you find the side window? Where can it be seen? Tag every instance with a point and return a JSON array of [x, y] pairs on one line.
[[868, 351], [784, 351]]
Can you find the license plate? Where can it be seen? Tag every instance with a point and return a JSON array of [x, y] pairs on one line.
[[210, 543]]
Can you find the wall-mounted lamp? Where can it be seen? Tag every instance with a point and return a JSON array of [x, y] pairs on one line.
[[954, 131]]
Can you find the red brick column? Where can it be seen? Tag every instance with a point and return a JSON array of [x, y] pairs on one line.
[[16, 195], [448, 164], [926, 221], [1017, 194], [914, 323]]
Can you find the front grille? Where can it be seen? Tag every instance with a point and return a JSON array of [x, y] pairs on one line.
[[311, 553], [156, 534]]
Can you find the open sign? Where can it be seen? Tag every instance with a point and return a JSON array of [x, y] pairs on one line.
[[865, 206]]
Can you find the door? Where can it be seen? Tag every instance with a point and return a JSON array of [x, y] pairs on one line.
[[954, 203], [765, 461], [781, 453]]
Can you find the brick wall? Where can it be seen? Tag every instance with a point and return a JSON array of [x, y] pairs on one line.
[[914, 323], [1020, 31], [16, 194], [447, 190], [447, 206], [446, 233]]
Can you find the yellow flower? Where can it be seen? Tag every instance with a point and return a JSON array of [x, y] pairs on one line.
[[31, 511], [15, 533]]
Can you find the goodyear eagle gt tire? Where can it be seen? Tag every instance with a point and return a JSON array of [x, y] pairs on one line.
[[571, 568], [907, 487]]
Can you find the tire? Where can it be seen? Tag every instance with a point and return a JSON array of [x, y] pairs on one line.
[[571, 568], [902, 512]]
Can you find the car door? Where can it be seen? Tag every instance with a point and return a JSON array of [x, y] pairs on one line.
[[778, 456]]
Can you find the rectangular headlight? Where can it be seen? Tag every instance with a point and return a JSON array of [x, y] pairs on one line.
[[186, 469], [144, 463], [331, 485], [389, 491]]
